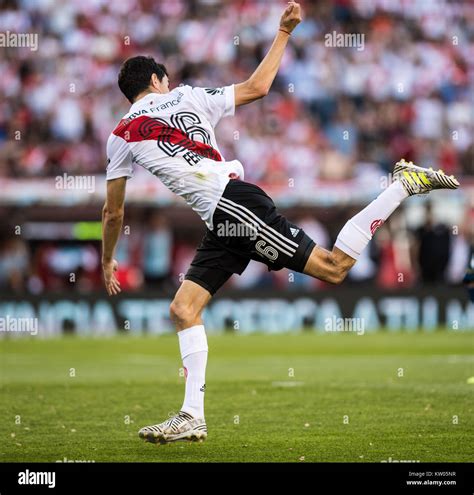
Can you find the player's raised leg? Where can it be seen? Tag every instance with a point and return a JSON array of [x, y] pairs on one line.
[[409, 179], [189, 423]]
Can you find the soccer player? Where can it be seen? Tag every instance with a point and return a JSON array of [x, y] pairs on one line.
[[171, 133]]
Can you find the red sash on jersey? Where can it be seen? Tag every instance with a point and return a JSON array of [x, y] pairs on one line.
[[146, 128]]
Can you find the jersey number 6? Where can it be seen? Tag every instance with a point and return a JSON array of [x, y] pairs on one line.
[[268, 251]]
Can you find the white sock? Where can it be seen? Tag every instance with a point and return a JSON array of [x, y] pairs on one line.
[[358, 231], [193, 346]]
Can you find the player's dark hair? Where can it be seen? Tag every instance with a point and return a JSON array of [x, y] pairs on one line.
[[135, 75]]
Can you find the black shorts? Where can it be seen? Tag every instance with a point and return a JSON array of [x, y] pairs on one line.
[[247, 227]]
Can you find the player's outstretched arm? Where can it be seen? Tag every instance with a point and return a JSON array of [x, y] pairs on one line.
[[112, 219], [258, 84]]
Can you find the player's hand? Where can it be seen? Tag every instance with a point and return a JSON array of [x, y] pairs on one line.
[[291, 17], [111, 283]]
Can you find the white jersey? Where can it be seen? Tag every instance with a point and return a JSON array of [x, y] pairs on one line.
[[172, 136]]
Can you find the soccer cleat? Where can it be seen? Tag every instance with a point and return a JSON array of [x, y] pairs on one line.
[[182, 426], [419, 180]]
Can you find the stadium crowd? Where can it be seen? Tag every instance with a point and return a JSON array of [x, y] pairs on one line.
[[403, 91], [333, 113]]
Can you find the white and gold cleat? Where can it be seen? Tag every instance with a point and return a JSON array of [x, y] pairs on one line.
[[182, 426], [419, 180]]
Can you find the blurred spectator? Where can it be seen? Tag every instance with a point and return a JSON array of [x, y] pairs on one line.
[[14, 263], [157, 251], [394, 271], [366, 267], [432, 249], [460, 252]]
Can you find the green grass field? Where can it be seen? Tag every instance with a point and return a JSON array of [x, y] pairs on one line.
[[292, 398]]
